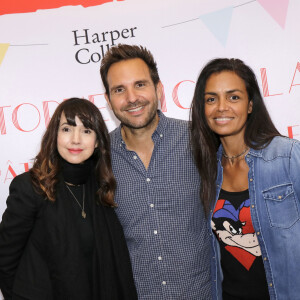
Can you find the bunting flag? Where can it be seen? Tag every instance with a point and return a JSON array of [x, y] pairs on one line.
[[277, 9], [3, 49], [218, 22]]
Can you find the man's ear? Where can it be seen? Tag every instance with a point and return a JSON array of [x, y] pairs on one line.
[[159, 90], [107, 100]]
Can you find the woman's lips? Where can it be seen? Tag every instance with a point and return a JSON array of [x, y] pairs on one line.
[[75, 151], [223, 120]]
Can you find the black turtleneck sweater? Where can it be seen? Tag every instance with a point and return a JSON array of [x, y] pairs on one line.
[[75, 176]]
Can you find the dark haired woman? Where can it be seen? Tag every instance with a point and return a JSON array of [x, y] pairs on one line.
[[250, 186], [59, 236]]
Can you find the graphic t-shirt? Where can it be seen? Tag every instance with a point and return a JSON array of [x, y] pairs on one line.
[[242, 265]]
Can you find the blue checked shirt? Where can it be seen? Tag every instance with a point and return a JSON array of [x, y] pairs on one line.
[[161, 214]]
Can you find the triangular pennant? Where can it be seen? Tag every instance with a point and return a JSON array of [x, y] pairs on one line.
[[277, 9], [3, 49], [218, 22]]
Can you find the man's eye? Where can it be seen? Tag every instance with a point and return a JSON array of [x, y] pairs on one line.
[[118, 90], [140, 84]]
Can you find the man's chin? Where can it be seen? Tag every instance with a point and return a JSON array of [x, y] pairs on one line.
[[139, 125]]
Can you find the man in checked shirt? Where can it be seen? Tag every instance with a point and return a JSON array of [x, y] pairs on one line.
[[157, 183]]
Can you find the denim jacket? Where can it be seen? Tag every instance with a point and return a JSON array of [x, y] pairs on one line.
[[274, 189]]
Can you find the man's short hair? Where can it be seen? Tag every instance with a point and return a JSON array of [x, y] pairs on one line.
[[124, 52]]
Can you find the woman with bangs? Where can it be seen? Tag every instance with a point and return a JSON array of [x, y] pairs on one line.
[[59, 236]]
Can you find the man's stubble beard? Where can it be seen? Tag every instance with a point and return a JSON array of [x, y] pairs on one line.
[[148, 121]]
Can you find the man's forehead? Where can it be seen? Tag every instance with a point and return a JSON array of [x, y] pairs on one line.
[[130, 70]]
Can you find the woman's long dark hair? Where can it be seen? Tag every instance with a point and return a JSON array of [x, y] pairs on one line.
[[259, 131], [46, 167]]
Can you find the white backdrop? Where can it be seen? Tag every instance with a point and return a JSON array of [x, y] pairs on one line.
[[47, 55]]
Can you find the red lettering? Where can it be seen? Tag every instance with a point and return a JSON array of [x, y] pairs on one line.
[[46, 111], [263, 72], [92, 99], [2, 120], [175, 94], [15, 117], [163, 103], [26, 166], [291, 132], [297, 69], [12, 172]]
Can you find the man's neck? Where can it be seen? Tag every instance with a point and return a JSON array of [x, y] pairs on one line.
[[140, 140]]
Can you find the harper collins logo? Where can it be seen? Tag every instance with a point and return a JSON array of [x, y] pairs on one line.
[[103, 41]]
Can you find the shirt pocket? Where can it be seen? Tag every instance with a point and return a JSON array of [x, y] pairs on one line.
[[281, 205]]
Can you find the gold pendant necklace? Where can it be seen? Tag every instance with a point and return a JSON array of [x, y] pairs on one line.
[[83, 213]]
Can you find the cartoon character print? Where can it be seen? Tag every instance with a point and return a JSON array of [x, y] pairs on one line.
[[233, 227]]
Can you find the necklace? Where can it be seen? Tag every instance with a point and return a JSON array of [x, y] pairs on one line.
[[83, 213], [231, 158]]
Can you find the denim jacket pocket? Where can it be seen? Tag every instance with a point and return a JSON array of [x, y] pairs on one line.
[[281, 205]]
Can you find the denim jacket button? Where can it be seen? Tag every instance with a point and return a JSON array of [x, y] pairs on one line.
[[258, 233], [251, 179], [252, 206], [271, 284]]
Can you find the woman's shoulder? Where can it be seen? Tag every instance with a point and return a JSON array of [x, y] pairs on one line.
[[22, 185], [280, 146], [22, 180]]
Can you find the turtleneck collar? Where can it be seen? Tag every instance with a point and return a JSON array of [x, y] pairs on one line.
[[77, 174]]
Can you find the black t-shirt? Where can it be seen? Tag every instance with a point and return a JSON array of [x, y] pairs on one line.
[[242, 265]]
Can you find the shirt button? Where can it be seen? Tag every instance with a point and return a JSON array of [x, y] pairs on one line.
[[148, 179], [134, 157], [258, 233], [151, 205], [159, 258], [161, 135], [164, 283], [155, 231], [251, 179]]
